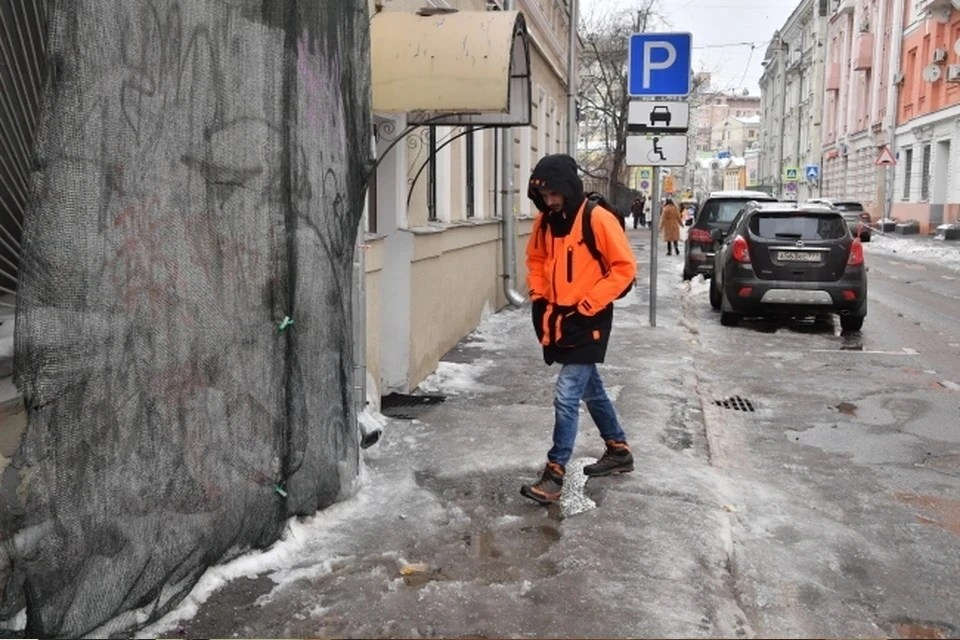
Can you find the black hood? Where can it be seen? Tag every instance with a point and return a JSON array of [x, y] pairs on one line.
[[557, 173]]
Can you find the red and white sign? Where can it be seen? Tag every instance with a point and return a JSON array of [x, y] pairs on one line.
[[885, 159]]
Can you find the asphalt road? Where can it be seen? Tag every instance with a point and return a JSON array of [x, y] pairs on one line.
[[847, 473]]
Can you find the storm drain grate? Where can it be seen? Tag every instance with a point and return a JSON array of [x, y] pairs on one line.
[[736, 403], [406, 406]]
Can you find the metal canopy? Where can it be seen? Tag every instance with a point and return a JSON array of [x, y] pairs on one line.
[[462, 68]]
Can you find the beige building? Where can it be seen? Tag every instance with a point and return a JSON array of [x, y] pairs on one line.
[[433, 248], [735, 135], [711, 108]]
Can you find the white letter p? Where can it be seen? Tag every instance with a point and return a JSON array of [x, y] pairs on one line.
[[648, 63]]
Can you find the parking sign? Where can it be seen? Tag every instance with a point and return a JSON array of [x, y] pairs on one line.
[[660, 64]]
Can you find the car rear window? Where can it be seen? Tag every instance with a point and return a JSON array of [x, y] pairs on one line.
[[722, 210], [849, 206], [798, 226]]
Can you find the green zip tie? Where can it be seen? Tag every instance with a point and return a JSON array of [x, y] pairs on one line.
[[286, 324], [279, 489]]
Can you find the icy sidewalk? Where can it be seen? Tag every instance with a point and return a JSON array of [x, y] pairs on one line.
[[439, 542]]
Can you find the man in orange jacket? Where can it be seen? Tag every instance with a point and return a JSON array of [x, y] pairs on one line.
[[572, 294]]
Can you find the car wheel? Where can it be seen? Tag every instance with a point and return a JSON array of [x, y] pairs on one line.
[[851, 323], [727, 317], [714, 295], [687, 275]]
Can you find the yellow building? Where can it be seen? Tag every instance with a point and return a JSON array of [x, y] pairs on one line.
[[434, 234]]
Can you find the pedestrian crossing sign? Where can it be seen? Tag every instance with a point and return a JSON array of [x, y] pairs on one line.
[[790, 174]]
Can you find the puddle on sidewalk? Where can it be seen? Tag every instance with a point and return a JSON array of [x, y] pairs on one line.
[[500, 536]]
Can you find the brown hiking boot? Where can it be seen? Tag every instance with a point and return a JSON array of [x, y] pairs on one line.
[[547, 489], [616, 459]]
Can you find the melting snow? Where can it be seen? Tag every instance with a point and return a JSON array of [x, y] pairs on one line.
[[944, 253]]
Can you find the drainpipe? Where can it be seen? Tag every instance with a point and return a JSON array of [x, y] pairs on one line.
[[572, 81], [367, 438], [889, 182], [507, 215]]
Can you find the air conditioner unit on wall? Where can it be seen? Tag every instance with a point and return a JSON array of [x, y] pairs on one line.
[[939, 55], [898, 77], [953, 73]]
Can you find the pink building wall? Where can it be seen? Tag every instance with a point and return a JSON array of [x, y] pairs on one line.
[[855, 105]]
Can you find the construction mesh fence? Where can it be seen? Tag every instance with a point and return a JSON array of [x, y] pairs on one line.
[[183, 341]]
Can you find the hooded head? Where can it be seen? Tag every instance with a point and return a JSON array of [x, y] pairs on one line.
[[555, 186]]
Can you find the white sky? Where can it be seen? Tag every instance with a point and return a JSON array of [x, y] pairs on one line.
[[718, 22]]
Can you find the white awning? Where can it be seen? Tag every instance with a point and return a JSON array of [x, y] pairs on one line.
[[459, 68]]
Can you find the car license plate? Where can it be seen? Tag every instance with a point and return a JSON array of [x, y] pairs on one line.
[[798, 256]]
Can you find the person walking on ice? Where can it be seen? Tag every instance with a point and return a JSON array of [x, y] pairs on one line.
[[578, 262]]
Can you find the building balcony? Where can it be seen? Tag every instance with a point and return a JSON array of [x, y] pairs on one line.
[[848, 6], [863, 52], [940, 9], [833, 77]]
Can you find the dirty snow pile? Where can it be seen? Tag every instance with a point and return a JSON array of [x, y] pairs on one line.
[[944, 253]]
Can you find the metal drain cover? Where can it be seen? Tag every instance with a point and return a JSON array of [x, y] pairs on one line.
[[404, 406], [736, 403]]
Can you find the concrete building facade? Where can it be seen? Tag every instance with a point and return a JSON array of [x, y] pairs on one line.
[[928, 114], [433, 243], [792, 101], [857, 100]]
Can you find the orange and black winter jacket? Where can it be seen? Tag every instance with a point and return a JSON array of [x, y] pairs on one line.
[[573, 299]]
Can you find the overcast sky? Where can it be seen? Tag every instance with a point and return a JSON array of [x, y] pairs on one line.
[[720, 28]]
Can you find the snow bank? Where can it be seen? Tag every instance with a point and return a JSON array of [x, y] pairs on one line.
[[922, 250]]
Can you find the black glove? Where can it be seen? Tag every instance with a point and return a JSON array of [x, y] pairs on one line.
[[537, 311]]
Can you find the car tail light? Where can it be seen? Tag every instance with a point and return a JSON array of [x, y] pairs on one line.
[[856, 254], [741, 253], [849, 294], [865, 217], [745, 291], [699, 235]]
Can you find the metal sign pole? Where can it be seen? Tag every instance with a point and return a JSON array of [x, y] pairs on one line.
[[654, 251]]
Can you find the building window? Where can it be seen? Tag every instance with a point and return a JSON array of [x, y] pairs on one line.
[[925, 174], [432, 178], [907, 171], [372, 214], [470, 170]]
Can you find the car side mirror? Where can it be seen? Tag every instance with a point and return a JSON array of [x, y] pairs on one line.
[[717, 234]]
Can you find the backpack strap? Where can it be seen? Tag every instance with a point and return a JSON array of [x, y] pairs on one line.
[[589, 238]]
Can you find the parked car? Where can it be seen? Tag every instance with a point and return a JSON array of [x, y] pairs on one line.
[[716, 212], [788, 259], [858, 218]]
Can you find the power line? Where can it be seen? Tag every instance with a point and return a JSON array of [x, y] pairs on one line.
[[728, 45]]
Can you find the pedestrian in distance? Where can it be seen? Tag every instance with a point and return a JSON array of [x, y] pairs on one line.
[[670, 223], [636, 211], [578, 262]]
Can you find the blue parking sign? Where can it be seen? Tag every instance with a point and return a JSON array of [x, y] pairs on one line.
[[660, 64]]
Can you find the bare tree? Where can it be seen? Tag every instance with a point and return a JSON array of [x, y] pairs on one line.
[[604, 97]]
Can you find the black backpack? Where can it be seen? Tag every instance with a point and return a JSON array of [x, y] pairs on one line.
[[594, 199]]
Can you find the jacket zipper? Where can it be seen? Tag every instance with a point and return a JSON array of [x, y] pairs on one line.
[[569, 264]]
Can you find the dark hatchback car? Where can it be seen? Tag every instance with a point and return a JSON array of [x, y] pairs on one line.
[[716, 212], [784, 259]]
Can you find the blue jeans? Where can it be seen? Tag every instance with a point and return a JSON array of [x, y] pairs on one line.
[[578, 382]]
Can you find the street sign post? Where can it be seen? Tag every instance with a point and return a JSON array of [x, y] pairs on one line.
[[659, 65], [657, 150]]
